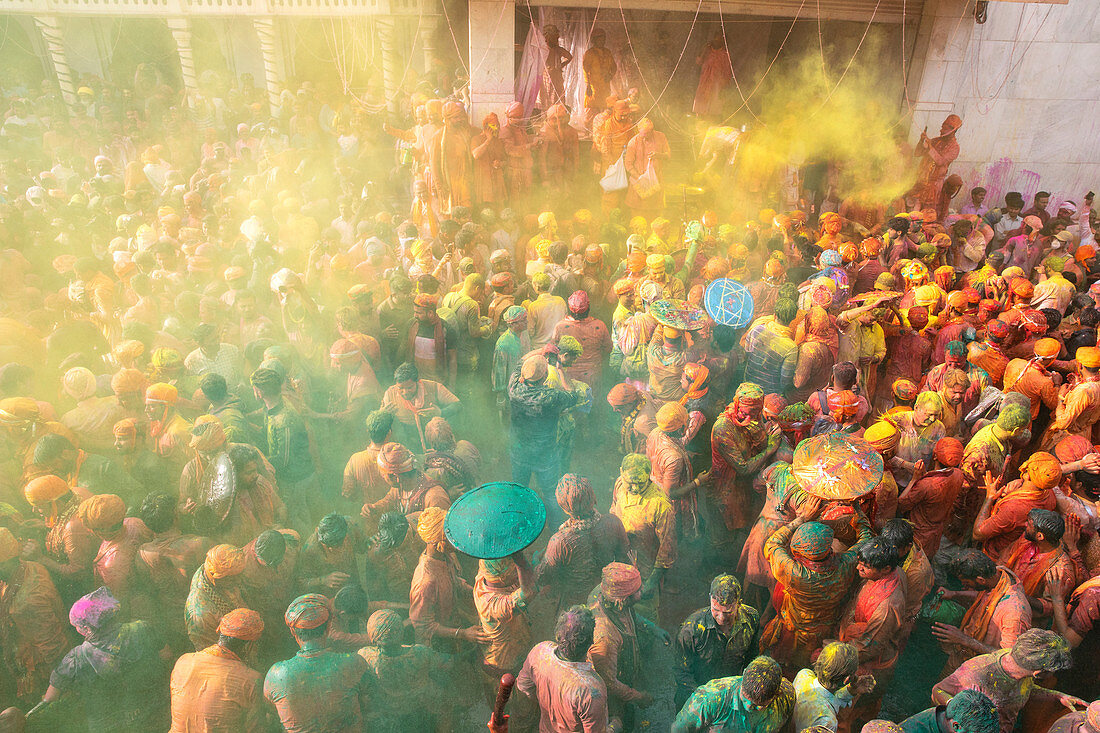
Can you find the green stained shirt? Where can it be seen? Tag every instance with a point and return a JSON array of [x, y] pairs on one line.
[[923, 722], [718, 706], [510, 348]]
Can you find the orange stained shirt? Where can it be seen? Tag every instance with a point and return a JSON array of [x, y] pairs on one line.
[[213, 691], [1022, 376]]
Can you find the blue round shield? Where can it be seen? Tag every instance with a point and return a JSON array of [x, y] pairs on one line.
[[728, 302], [495, 520]]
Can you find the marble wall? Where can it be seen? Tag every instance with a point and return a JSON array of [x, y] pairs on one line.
[[1027, 86]]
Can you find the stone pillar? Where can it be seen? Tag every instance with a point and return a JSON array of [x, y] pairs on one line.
[[274, 62], [50, 28], [391, 62], [428, 25], [181, 34], [492, 56]]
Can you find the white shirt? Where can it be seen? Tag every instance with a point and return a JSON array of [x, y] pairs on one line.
[[814, 704]]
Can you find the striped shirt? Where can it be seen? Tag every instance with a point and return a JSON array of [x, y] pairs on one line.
[[772, 357]]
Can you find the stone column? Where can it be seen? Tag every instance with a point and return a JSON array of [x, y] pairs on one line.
[[50, 28], [492, 56], [181, 34], [391, 62], [274, 62], [428, 25]]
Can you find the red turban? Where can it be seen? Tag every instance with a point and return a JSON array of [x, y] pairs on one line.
[[623, 394], [241, 623], [575, 495], [578, 302], [307, 612], [948, 451], [1072, 448], [620, 581]]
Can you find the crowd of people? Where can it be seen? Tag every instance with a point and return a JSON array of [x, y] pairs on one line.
[[251, 356]]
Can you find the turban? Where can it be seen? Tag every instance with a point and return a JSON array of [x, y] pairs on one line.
[[162, 392], [623, 394], [207, 434], [127, 380], [1088, 357], [332, 530], [166, 360], [9, 546], [830, 217], [420, 249], [636, 261], [535, 368], [18, 410], [997, 328], [1013, 417], [95, 610], [1034, 321], [223, 561], [831, 258], [620, 581], [126, 428], [452, 109], [1072, 448], [882, 436], [904, 390], [918, 317], [593, 254], [749, 394], [233, 273], [914, 270], [870, 247], [241, 623], [1043, 469], [128, 351], [1092, 714], [307, 612], [848, 252], [773, 269], [426, 300], [102, 511], [1084, 252], [384, 627], [655, 262], [1047, 348], [672, 416], [885, 281], [514, 314], [1022, 287], [515, 109], [430, 525], [926, 295], [623, 286], [957, 299], [45, 488], [79, 383], [843, 403], [812, 540], [635, 468], [501, 280], [575, 495], [570, 345], [725, 589], [948, 451], [1054, 264], [578, 302], [547, 219], [881, 726], [395, 458]]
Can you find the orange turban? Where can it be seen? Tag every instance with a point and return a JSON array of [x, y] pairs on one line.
[[207, 434], [45, 488], [1073, 448], [241, 623], [102, 511], [672, 416], [127, 380], [18, 410], [623, 394], [635, 261], [623, 286], [162, 392], [1043, 469], [126, 428], [843, 403], [223, 561], [430, 525], [1047, 348]]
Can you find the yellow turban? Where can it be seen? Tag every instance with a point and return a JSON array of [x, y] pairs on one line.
[[45, 488], [223, 561], [430, 525], [102, 511]]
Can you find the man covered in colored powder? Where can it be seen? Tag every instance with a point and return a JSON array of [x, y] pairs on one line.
[[759, 701]]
